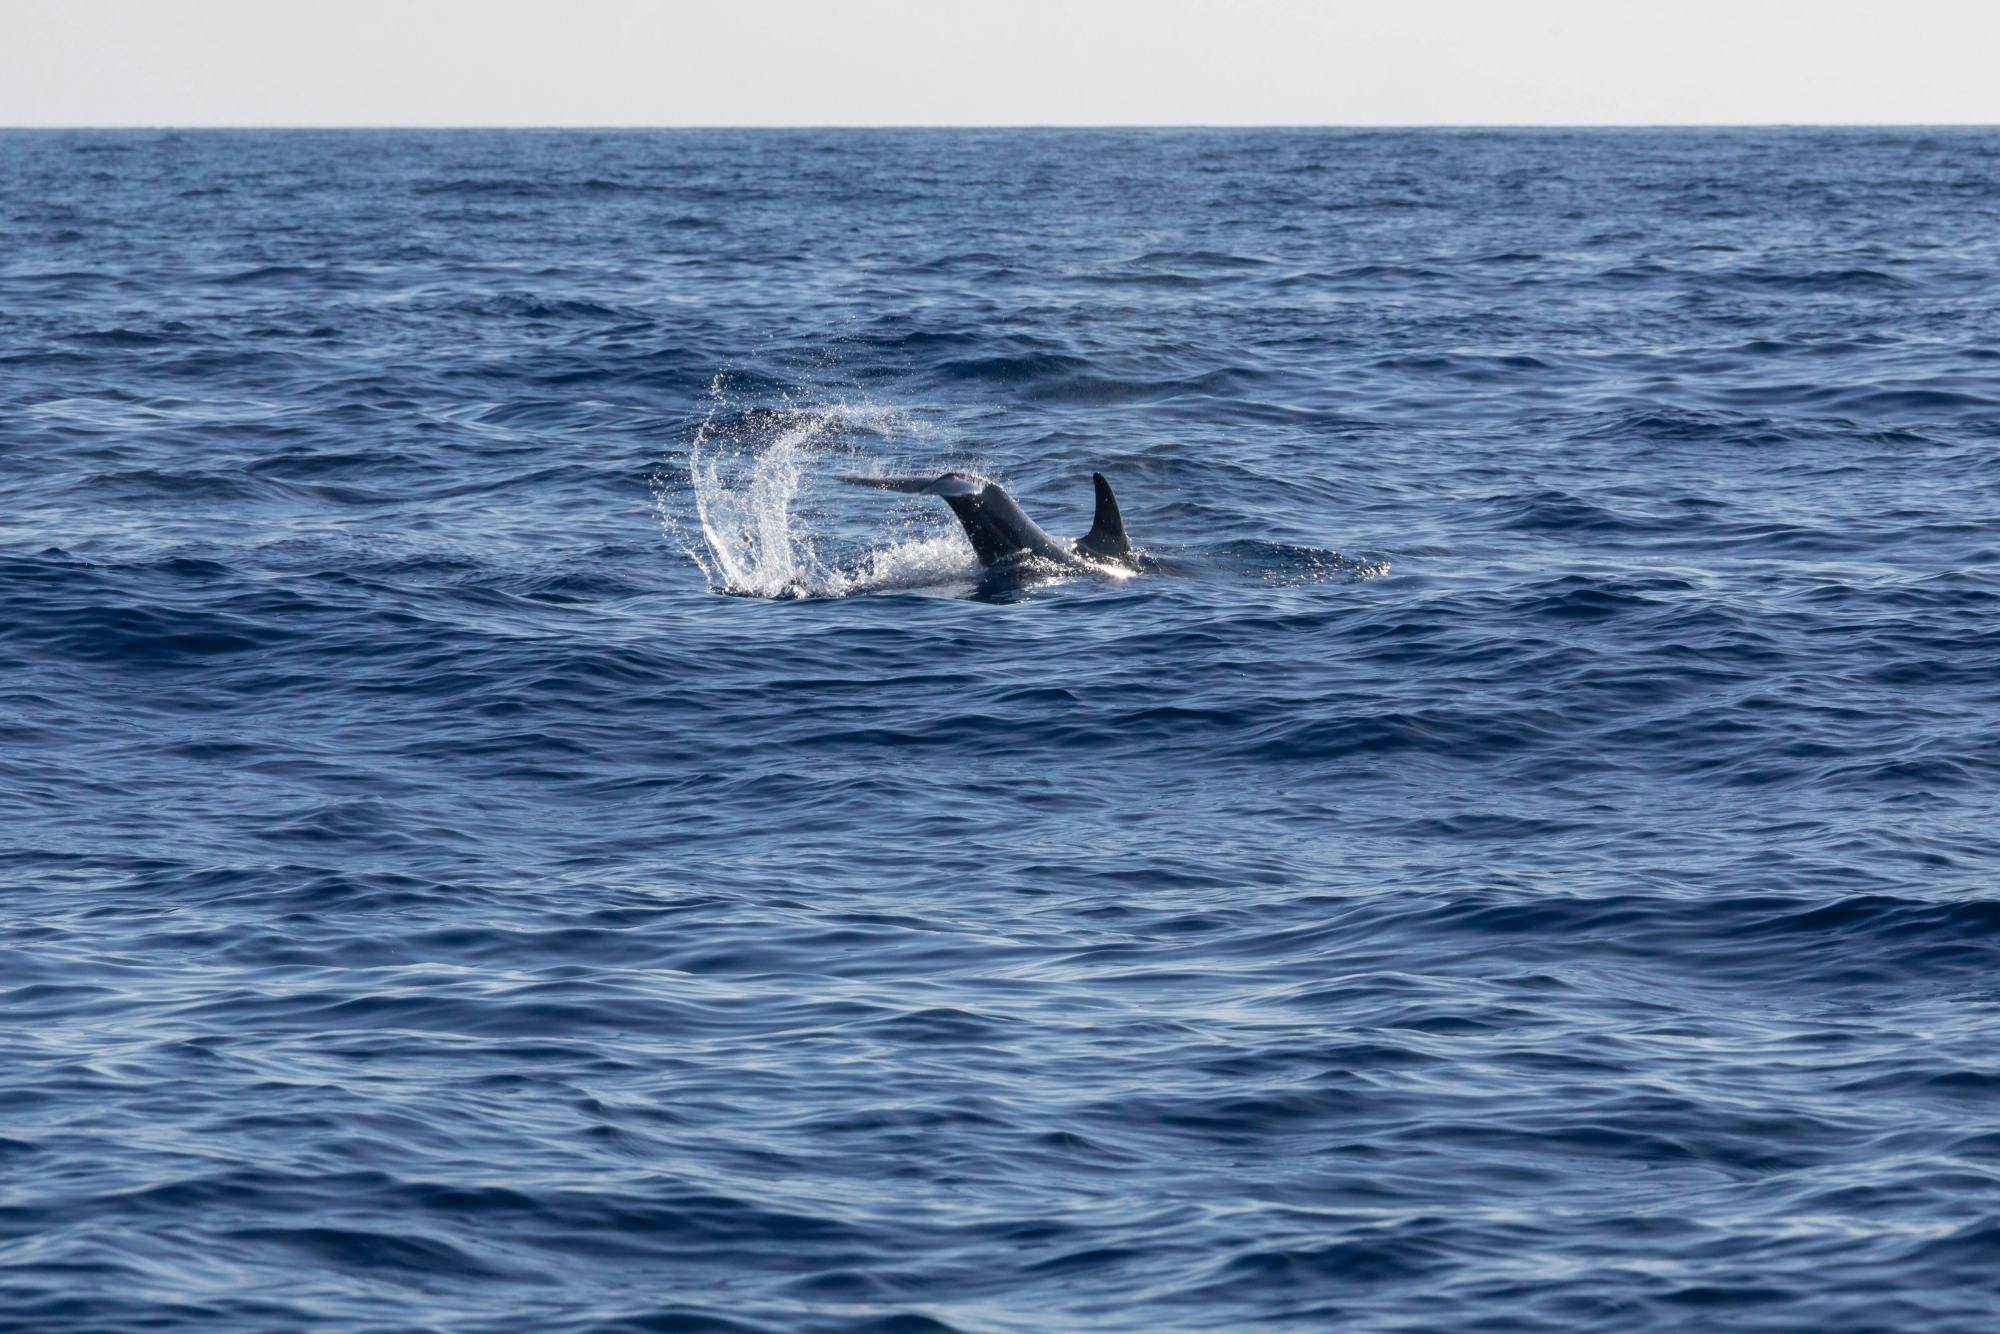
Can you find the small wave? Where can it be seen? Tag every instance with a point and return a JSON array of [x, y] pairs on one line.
[[1208, 259], [1282, 564], [1821, 280], [1014, 368], [167, 335], [530, 306], [1559, 512], [480, 187], [312, 276]]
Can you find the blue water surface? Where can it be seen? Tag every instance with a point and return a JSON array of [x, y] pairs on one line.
[[494, 835]]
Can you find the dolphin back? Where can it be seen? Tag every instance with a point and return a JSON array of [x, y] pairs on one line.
[[998, 528]]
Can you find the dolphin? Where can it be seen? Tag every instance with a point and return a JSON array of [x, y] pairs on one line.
[[999, 529]]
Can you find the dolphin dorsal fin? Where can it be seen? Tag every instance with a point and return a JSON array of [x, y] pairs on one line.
[[1106, 538]]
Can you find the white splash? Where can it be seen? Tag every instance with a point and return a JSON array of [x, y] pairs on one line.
[[758, 509]]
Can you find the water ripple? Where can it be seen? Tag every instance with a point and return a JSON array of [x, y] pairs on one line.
[[1517, 855]]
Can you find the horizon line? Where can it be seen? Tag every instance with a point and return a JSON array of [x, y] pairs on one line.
[[1041, 125]]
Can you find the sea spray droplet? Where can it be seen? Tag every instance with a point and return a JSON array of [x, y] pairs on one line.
[[758, 526]]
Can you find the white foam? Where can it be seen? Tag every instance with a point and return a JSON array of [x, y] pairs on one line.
[[757, 516]]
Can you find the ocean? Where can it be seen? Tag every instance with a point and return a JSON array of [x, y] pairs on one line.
[[496, 835]]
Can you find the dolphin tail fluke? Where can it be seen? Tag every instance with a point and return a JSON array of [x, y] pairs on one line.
[[1106, 538], [951, 484]]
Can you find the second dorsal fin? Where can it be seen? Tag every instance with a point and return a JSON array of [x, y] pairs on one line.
[[1106, 538]]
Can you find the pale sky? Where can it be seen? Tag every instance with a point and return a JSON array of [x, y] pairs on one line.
[[1001, 62]]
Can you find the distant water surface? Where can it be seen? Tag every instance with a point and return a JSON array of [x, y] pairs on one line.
[[1526, 861]]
